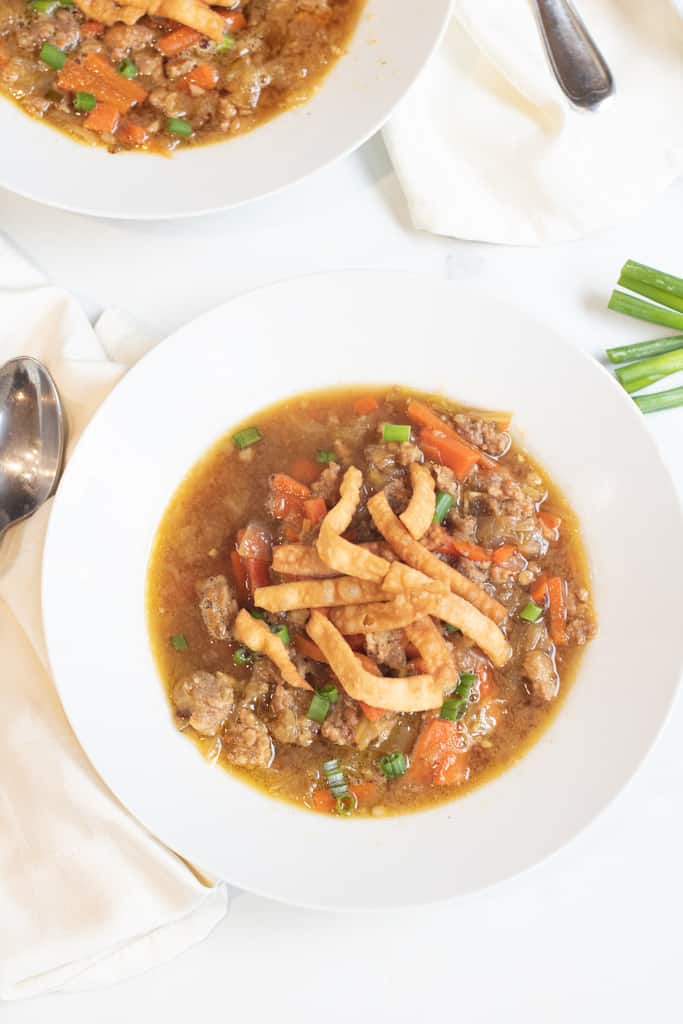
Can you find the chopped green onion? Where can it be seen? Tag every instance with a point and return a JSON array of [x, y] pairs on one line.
[[44, 6], [660, 400], [336, 780], [318, 708], [395, 432], [226, 43], [84, 101], [242, 656], [257, 613], [452, 629], [283, 633], [247, 437], [128, 69], [453, 709], [443, 506], [179, 643], [648, 371], [66, 3], [330, 693], [346, 804], [644, 349], [323, 457], [531, 612], [467, 681], [53, 57], [177, 126], [394, 765], [620, 302]]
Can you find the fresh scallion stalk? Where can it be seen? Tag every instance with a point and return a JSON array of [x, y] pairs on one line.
[[660, 400], [664, 298], [179, 643], [653, 278], [396, 432], [248, 436], [443, 506], [648, 371], [644, 349], [631, 305]]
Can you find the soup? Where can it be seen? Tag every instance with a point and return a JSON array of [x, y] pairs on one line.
[[366, 602], [115, 75]]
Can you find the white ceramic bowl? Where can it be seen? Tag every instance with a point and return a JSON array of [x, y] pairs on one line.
[[388, 50], [319, 332]]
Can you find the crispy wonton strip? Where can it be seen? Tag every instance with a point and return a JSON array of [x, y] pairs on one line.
[[434, 651], [375, 618], [341, 554], [257, 637], [409, 693], [416, 555], [402, 577], [473, 623], [304, 560], [192, 13], [419, 515], [110, 13], [284, 597]]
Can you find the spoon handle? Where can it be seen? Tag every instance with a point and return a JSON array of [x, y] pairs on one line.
[[576, 61]]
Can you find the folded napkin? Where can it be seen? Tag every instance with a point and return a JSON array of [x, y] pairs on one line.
[[87, 896], [487, 147]]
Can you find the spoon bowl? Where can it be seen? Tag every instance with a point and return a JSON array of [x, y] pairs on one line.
[[32, 437]]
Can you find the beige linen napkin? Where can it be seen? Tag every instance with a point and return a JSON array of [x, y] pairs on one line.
[[87, 896], [486, 146]]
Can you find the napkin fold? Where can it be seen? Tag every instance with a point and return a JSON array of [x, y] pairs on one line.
[[486, 146], [87, 895]]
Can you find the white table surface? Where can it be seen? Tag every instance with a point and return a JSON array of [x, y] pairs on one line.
[[592, 935]]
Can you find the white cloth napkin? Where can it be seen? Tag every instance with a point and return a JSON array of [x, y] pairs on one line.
[[486, 146], [87, 896]]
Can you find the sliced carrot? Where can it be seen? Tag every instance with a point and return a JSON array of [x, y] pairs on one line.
[[280, 483], [539, 591], [92, 29], [132, 134], [315, 510], [366, 794], [204, 76], [98, 76], [502, 553], [177, 40], [306, 471], [239, 575], [104, 118], [440, 540], [451, 452], [307, 649], [257, 573], [438, 757], [365, 405], [551, 522], [235, 21], [557, 606], [421, 415]]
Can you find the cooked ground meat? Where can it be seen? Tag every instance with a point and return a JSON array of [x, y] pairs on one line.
[[203, 701], [445, 479], [247, 742], [495, 494], [218, 606], [462, 527], [289, 723], [398, 493], [386, 648], [342, 722], [327, 484], [483, 433], [540, 670]]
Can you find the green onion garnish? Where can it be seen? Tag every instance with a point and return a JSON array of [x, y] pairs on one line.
[[179, 643], [456, 706], [346, 804], [323, 457], [336, 780], [177, 126], [640, 375], [52, 56], [531, 612], [644, 349], [247, 437], [66, 3], [318, 708], [226, 43], [257, 613], [452, 629], [394, 765], [44, 6], [283, 633], [330, 693], [128, 69], [395, 432], [242, 656], [84, 101], [443, 506], [660, 401]]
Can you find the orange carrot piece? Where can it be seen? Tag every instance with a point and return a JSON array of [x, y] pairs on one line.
[[239, 575], [551, 522], [557, 606], [92, 29], [451, 451], [306, 471], [473, 552], [98, 76], [366, 794], [502, 553], [104, 118], [235, 21], [421, 415], [438, 757], [132, 134], [365, 405], [315, 510], [280, 483], [257, 573], [177, 40], [307, 649], [539, 591], [204, 76]]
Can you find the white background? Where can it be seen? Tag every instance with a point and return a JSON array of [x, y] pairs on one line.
[[594, 934]]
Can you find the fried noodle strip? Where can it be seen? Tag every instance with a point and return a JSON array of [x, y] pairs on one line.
[[419, 514], [375, 618], [434, 651], [402, 577], [285, 597], [474, 624], [254, 633], [340, 554]]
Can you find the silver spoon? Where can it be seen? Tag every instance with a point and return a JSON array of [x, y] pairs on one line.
[[32, 434], [578, 65]]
